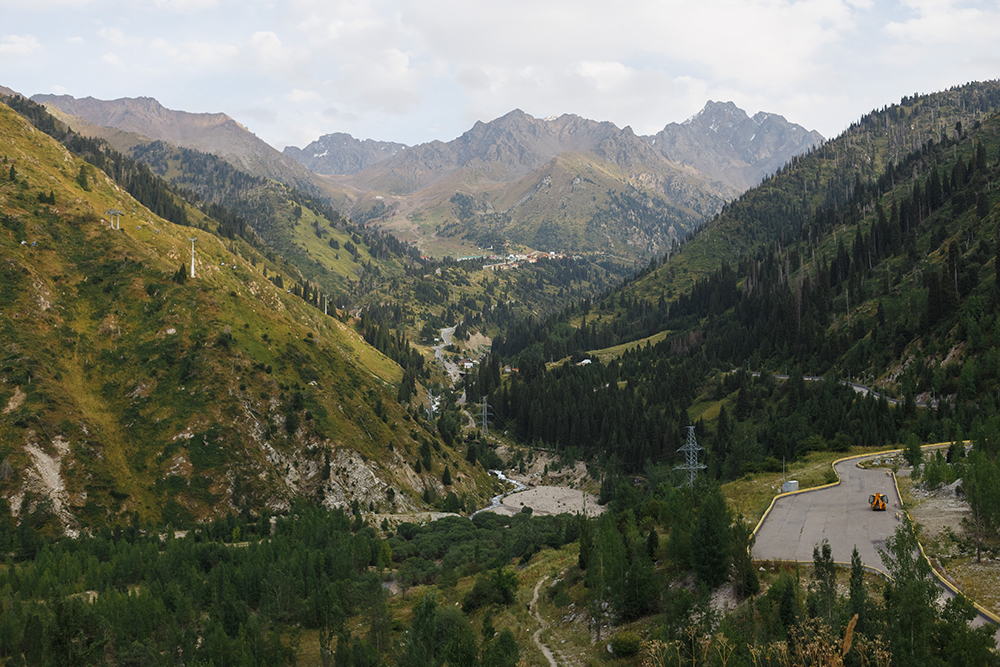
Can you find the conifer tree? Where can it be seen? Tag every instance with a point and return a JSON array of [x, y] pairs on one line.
[[711, 540], [910, 596]]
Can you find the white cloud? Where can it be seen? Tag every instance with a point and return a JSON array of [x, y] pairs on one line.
[[19, 46], [185, 6], [46, 5], [384, 81], [200, 55], [303, 96], [606, 76], [946, 22], [112, 59], [117, 37], [474, 78], [414, 71], [270, 54]]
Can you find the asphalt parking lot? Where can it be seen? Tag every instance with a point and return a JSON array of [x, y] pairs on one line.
[[840, 514]]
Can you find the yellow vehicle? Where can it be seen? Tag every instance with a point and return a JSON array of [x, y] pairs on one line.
[[878, 501]]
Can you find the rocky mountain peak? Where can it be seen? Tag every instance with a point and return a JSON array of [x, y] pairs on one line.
[[727, 144], [340, 153]]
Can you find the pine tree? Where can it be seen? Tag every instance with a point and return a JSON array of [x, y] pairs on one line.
[[419, 649], [82, 177], [502, 651], [746, 582], [910, 596], [711, 540], [981, 481], [825, 576]]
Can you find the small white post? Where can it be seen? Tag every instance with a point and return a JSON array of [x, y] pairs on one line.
[[192, 240]]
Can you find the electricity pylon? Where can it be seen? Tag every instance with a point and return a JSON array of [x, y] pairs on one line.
[[486, 417], [114, 212], [691, 464], [192, 240]]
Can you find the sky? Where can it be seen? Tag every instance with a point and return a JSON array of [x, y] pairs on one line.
[[413, 71]]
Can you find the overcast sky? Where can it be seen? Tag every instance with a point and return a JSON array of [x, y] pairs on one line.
[[417, 70]]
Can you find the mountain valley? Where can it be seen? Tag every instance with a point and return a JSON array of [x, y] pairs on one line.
[[222, 375]]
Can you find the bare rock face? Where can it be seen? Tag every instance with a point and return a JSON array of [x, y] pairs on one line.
[[725, 143], [340, 153], [214, 133]]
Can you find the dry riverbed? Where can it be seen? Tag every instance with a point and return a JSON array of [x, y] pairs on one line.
[[553, 488]]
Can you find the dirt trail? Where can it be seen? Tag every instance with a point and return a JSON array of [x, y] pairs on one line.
[[542, 625]]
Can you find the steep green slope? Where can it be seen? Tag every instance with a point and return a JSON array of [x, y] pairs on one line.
[[324, 246], [885, 275], [878, 153], [129, 386]]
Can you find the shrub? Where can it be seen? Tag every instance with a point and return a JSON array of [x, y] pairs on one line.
[[496, 588], [625, 644]]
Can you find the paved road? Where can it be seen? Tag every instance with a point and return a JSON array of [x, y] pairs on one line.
[[840, 514], [862, 389], [450, 367]]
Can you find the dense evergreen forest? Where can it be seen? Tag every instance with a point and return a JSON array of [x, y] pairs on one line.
[[894, 283], [250, 590]]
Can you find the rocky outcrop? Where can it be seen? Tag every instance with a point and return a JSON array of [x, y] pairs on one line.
[[725, 143], [340, 153]]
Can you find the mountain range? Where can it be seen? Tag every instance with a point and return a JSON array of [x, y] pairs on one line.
[[340, 153], [565, 183], [176, 368], [146, 389], [725, 143], [721, 140]]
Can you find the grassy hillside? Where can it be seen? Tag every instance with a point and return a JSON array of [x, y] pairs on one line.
[[577, 202], [130, 387], [323, 246]]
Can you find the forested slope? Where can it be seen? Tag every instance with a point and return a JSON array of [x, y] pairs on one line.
[[873, 257]]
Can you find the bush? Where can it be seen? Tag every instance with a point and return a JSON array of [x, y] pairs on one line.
[[496, 588], [625, 644]]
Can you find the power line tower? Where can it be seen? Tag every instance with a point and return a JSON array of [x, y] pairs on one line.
[[192, 240], [486, 417], [691, 464], [114, 212]]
